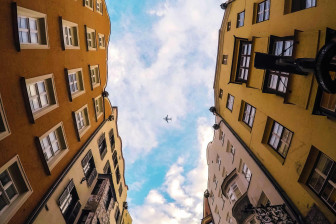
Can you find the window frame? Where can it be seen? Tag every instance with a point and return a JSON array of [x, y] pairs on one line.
[[97, 76], [328, 176], [87, 124], [239, 19], [279, 75], [263, 11], [298, 5], [75, 36], [41, 28], [99, 113], [88, 6], [100, 10], [103, 45], [247, 57], [71, 190], [79, 80], [252, 108], [50, 91], [88, 163], [3, 118], [62, 144], [228, 101], [280, 142], [8, 212], [91, 43]]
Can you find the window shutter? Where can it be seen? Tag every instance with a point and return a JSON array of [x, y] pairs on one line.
[[66, 192], [86, 158], [255, 13]]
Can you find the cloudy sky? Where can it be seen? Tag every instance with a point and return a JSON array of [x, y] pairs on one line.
[[162, 61]]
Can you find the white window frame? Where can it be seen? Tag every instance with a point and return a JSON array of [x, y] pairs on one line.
[[99, 109], [89, 4], [280, 136], [91, 39], [3, 117], [100, 8], [77, 83], [8, 211], [240, 19], [70, 41], [101, 41], [94, 76], [231, 193], [61, 140], [82, 120], [230, 102], [31, 15], [52, 104], [246, 172], [249, 114]]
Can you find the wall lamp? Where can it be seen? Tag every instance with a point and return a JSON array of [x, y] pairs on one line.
[[105, 94], [213, 110], [223, 6], [111, 118], [206, 193], [83, 179]]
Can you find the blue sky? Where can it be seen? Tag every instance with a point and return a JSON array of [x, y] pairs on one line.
[[162, 61]]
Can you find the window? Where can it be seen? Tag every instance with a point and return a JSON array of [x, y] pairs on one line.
[[112, 141], [99, 6], [232, 151], [244, 61], [88, 4], [98, 104], [240, 19], [225, 59], [118, 175], [90, 39], [53, 146], [32, 29], [70, 35], [95, 76], [89, 168], [280, 139], [228, 27], [246, 172], [102, 146], [249, 113], [115, 158], [14, 188], [101, 40], [263, 11], [277, 81], [263, 200], [117, 214], [220, 94], [40, 94], [107, 167], [75, 82], [298, 5], [4, 127], [69, 203], [120, 190], [322, 180], [81, 117], [234, 193], [230, 101]]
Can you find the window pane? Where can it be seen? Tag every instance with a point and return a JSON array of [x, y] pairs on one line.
[[44, 100], [23, 37], [11, 191], [324, 164], [278, 47], [32, 24], [273, 81], [2, 202], [41, 87], [288, 48], [4, 178], [316, 182], [33, 38]]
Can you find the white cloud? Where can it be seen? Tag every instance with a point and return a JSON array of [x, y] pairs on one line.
[[157, 72], [184, 190]]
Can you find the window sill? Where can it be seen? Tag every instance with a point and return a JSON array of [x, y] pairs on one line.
[[275, 153], [92, 48], [95, 85], [246, 126], [4, 134], [56, 159], [82, 132], [14, 207], [100, 47], [44, 111], [99, 115], [77, 94], [99, 12], [34, 46], [91, 8], [72, 47]]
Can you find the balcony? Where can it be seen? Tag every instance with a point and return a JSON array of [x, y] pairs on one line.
[[238, 209]]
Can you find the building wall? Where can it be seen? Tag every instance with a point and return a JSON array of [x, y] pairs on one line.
[[221, 164], [29, 63], [294, 110], [53, 214]]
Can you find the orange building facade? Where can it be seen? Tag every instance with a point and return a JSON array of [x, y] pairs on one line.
[[53, 105]]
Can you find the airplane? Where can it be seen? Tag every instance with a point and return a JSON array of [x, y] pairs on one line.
[[167, 119]]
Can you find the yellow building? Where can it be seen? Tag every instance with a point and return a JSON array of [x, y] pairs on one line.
[[284, 120], [57, 125]]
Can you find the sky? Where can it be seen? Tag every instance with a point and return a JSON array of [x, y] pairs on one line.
[[161, 60]]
